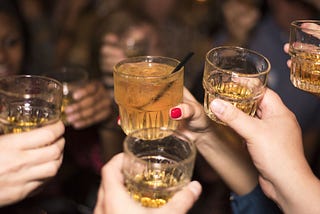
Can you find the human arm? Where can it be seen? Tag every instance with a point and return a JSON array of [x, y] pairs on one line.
[[226, 155], [274, 142], [114, 198], [28, 159], [93, 104]]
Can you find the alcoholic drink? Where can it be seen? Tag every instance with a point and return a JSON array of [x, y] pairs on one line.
[[24, 116], [66, 100], [240, 95], [144, 92], [154, 187], [305, 70]]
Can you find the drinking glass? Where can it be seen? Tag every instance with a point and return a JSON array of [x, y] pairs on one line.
[[28, 102], [155, 169], [236, 75], [145, 88], [305, 55], [72, 78]]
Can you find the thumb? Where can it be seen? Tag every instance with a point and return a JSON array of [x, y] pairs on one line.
[[242, 123], [183, 200]]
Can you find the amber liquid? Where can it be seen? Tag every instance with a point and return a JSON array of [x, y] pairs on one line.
[[153, 188], [240, 96], [22, 117], [145, 101], [66, 100], [305, 71]]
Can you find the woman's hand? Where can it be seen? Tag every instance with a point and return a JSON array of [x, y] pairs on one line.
[[28, 159]]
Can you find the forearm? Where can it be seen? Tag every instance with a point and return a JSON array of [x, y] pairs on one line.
[[230, 160], [299, 192]]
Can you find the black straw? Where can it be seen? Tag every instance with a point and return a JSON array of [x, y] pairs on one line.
[[168, 86], [183, 62]]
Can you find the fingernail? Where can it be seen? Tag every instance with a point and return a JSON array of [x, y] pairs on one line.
[[175, 113], [195, 188], [119, 121], [217, 106]]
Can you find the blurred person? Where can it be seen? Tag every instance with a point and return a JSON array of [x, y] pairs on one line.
[[239, 20], [114, 198], [169, 32], [12, 38], [39, 153]]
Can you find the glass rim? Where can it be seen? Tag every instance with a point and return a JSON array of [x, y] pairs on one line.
[[266, 71], [12, 77], [67, 69], [191, 143], [147, 58], [298, 23]]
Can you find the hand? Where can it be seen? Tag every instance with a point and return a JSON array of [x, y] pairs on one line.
[[219, 145], [274, 142], [313, 29], [110, 54], [28, 159], [93, 104], [113, 197], [286, 50]]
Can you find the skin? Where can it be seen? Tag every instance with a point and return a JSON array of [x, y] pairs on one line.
[[93, 104], [113, 197], [291, 184], [226, 155], [40, 153]]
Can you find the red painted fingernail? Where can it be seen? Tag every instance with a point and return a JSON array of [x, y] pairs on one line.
[[118, 121], [175, 113]]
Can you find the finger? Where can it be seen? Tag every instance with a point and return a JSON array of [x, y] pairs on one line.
[[271, 105], [286, 48], [289, 62], [44, 171], [90, 110], [88, 89], [311, 28], [234, 117], [46, 153], [9, 193], [100, 115], [186, 109], [110, 38], [38, 137], [113, 181], [113, 167], [183, 200], [100, 202], [89, 96]]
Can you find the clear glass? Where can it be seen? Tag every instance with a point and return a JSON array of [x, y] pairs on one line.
[[145, 89], [236, 75], [154, 170], [305, 55], [71, 78], [28, 102]]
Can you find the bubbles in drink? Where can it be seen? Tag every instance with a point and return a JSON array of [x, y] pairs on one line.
[[24, 116], [305, 70]]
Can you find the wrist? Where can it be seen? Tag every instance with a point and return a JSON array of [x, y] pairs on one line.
[[299, 192]]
